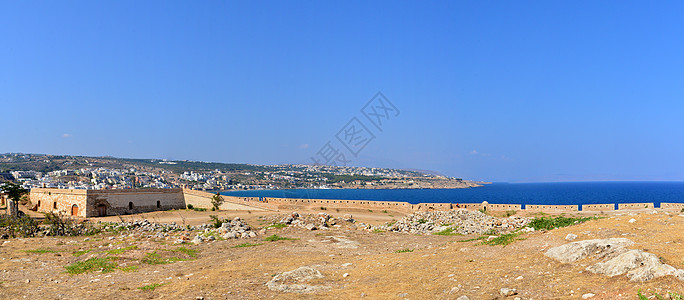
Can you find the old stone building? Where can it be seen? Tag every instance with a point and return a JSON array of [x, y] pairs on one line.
[[99, 203]]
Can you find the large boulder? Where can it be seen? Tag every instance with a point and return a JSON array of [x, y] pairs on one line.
[[638, 265], [291, 281], [599, 248]]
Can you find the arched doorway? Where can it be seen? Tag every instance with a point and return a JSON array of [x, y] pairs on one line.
[[101, 210], [74, 210]]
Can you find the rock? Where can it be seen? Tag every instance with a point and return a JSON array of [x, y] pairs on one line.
[[631, 220], [345, 275], [310, 226], [403, 295], [570, 237], [638, 265], [229, 235], [463, 298], [508, 292], [588, 295], [197, 240], [600, 248], [290, 282], [519, 278]]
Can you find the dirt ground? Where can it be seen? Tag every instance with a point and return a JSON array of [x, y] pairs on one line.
[[429, 267]]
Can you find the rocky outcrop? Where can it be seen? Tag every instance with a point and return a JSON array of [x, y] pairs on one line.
[[599, 248], [292, 281], [460, 221], [637, 265]]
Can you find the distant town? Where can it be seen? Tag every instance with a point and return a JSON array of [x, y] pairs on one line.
[[79, 172]]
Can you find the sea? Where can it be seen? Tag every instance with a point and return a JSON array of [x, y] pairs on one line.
[[556, 193]]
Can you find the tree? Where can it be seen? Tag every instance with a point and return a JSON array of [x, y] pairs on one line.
[[216, 201], [14, 193]]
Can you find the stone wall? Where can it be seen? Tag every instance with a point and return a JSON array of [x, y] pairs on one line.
[[551, 208], [92, 203], [598, 207], [622, 206], [203, 200], [288, 203], [60, 201], [130, 201], [679, 206]]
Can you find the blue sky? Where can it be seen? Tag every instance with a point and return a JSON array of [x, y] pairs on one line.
[[501, 91]]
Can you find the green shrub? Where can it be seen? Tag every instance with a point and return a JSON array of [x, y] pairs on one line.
[[155, 259], [121, 250], [91, 265], [503, 239], [150, 287], [276, 237], [23, 226], [245, 245], [188, 252], [510, 213], [190, 206], [548, 223], [216, 221], [277, 225], [404, 251], [81, 252], [42, 250], [448, 231]]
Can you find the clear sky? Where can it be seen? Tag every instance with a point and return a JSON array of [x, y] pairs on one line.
[[490, 90]]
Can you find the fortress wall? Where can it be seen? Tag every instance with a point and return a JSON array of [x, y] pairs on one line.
[[59, 200], [432, 206], [470, 206], [623, 206], [598, 207], [672, 205], [129, 201], [203, 200], [333, 203], [144, 200], [504, 206], [552, 208]]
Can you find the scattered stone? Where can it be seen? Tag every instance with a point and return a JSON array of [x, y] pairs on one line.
[[460, 221], [570, 237], [588, 295], [519, 278], [631, 220], [508, 292], [638, 265], [403, 295], [290, 282], [345, 275], [463, 298], [600, 248]]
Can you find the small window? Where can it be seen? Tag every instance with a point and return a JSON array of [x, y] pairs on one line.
[[158, 204], [130, 205], [54, 205]]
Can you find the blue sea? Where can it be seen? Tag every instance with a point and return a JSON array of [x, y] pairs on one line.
[[565, 193]]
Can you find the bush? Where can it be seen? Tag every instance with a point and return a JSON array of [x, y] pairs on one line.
[[560, 221], [276, 237], [190, 206], [23, 226], [503, 239], [216, 201], [91, 265], [216, 221], [404, 251]]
